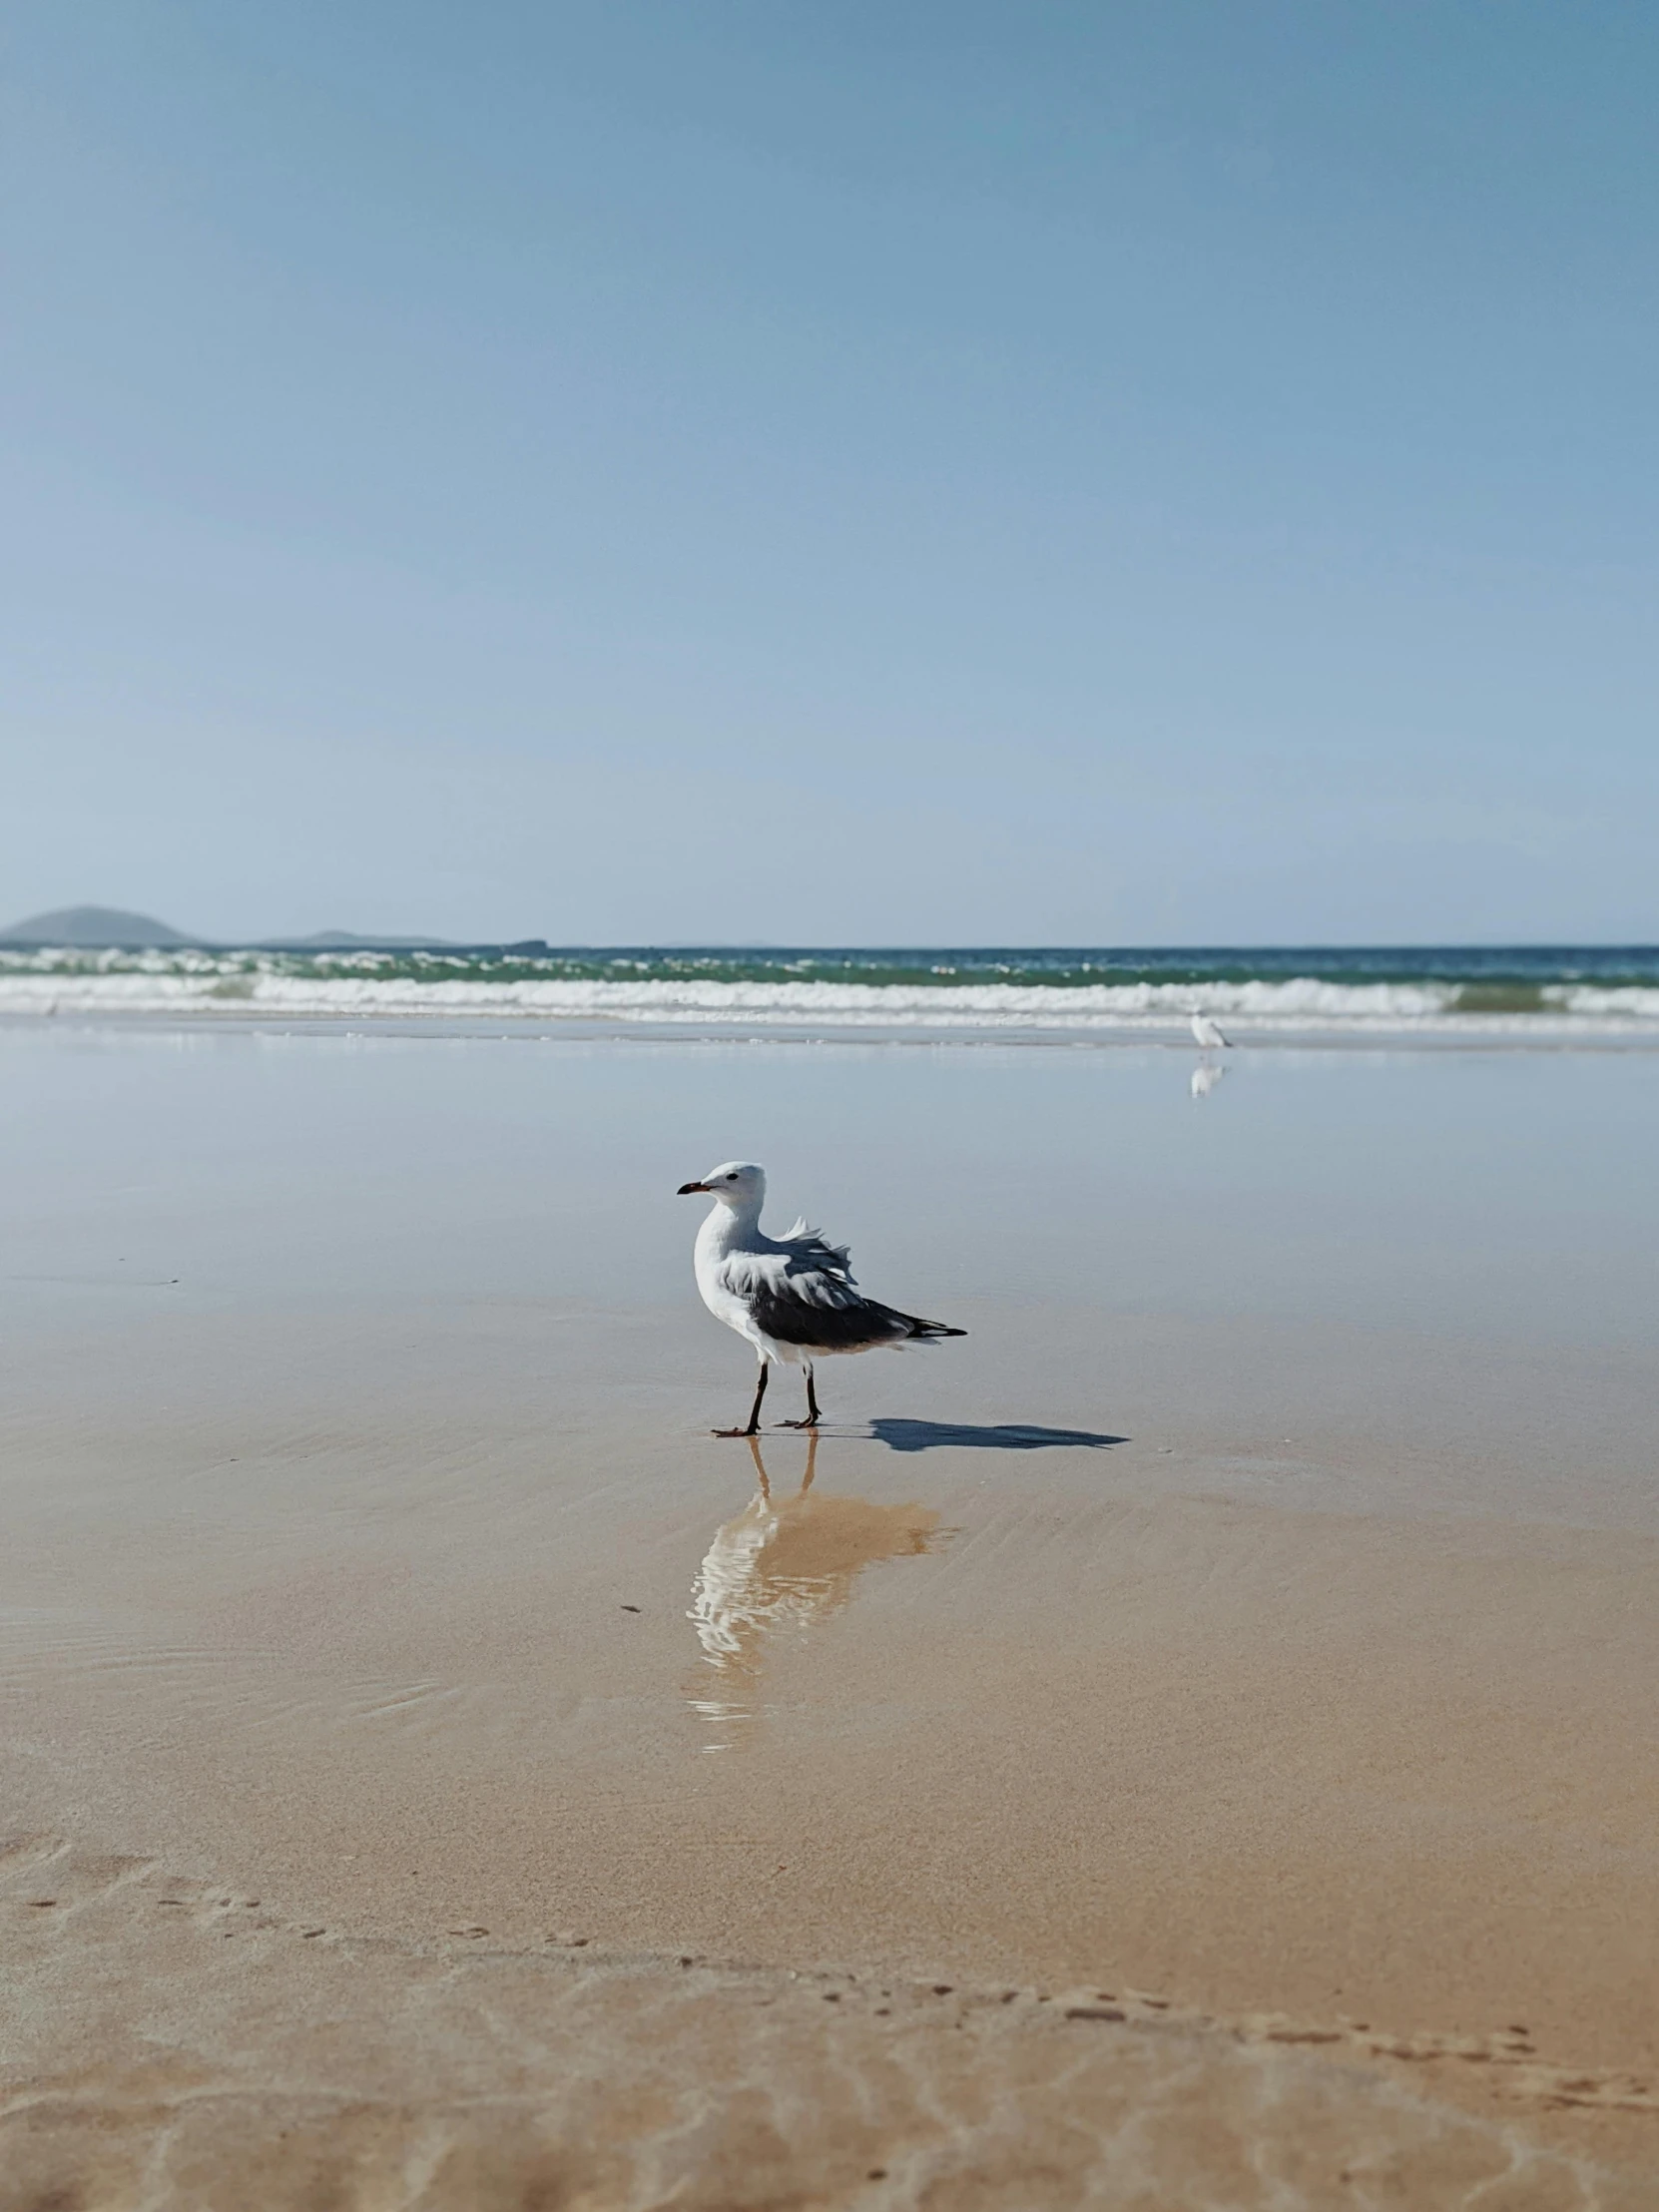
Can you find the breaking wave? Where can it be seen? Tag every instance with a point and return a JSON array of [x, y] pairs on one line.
[[1529, 990]]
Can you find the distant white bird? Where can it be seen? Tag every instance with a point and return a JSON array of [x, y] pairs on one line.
[[1206, 1034], [792, 1298]]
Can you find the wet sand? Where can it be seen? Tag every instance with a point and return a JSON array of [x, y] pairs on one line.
[[1267, 1658], [189, 2045]]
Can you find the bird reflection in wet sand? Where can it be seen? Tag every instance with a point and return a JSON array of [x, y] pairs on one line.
[[786, 1564], [1206, 1076]]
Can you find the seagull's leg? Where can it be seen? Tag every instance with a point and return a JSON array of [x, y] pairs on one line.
[[813, 1415], [753, 1411], [760, 1393]]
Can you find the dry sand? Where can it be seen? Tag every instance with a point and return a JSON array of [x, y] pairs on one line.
[[1282, 1685]]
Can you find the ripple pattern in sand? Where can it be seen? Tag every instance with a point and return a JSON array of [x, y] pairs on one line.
[[182, 2044]]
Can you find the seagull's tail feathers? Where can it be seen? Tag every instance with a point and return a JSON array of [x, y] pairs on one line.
[[921, 1329]]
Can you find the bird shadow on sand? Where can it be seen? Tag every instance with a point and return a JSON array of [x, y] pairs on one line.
[[1012, 1435]]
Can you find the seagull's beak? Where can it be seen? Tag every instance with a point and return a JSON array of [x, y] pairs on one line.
[[686, 1189]]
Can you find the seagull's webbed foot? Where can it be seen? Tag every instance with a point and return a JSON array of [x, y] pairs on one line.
[[809, 1420]]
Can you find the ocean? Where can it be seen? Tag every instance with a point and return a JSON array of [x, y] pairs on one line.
[[1562, 992]]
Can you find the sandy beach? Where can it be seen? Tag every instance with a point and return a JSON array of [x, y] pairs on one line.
[[1189, 1744]]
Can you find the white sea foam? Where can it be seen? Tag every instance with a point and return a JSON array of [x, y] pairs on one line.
[[208, 985], [1633, 1002]]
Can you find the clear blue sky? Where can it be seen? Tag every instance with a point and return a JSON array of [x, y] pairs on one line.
[[1145, 470]]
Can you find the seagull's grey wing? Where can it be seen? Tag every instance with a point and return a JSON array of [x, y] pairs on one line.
[[796, 1302], [807, 1249]]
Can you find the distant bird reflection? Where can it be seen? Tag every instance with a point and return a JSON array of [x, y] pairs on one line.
[[1206, 1076], [784, 1566]]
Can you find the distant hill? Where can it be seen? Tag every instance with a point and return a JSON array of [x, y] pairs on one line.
[[109, 929], [102, 926]]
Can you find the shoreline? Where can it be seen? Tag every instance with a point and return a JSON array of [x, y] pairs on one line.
[[1454, 1034]]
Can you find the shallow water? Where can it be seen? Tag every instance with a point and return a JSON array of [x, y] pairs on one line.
[[1499, 1196]]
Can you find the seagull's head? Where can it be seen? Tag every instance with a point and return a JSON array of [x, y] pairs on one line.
[[739, 1184]]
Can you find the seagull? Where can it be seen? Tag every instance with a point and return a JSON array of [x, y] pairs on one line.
[[792, 1298], [1207, 1035]]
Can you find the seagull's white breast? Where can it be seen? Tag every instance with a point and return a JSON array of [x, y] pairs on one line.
[[720, 1236]]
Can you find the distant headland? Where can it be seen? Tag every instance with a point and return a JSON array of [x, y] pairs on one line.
[[95, 927], [113, 930]]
